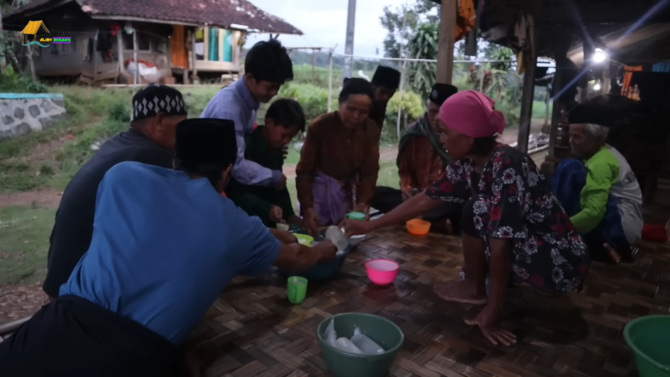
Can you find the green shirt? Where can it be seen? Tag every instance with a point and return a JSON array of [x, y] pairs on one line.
[[609, 173], [257, 200]]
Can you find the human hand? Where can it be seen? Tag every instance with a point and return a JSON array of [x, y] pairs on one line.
[[284, 151], [276, 215], [284, 236], [355, 227], [293, 219], [406, 193], [327, 250], [489, 325], [282, 183], [311, 221]]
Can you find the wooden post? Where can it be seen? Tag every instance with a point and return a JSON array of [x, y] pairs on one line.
[[445, 52], [195, 58], [120, 47], [2, 57], [313, 67], [95, 58], [31, 64], [205, 43], [136, 77], [557, 87], [220, 43], [528, 90], [330, 80]]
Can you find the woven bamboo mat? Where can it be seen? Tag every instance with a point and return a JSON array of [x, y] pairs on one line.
[[252, 330]]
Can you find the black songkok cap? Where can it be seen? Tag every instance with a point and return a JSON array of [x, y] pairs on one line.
[[441, 92], [593, 113], [206, 142], [154, 99], [386, 76]]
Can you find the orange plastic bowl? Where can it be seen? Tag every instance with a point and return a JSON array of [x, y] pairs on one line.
[[418, 227]]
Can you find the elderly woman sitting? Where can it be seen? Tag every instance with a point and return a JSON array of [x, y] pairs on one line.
[[599, 191], [513, 227]]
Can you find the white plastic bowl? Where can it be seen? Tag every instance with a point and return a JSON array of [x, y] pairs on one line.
[[355, 240]]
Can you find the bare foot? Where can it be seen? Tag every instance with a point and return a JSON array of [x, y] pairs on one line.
[[459, 292], [489, 325], [613, 254]]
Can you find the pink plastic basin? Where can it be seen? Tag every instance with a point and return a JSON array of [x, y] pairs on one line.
[[382, 271]]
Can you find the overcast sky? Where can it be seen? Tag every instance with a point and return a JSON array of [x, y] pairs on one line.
[[324, 23]]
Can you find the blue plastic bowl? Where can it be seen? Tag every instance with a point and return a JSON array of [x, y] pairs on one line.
[[321, 271]]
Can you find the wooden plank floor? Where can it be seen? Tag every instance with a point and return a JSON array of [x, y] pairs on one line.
[[252, 330]]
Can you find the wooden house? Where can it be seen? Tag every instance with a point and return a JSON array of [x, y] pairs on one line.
[[185, 40]]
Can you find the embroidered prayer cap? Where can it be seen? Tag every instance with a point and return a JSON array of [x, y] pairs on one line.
[[441, 92], [593, 113], [206, 142], [386, 76], [154, 99], [471, 113]]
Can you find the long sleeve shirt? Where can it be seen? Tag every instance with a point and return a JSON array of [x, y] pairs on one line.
[[256, 200], [340, 152], [609, 173], [235, 103]]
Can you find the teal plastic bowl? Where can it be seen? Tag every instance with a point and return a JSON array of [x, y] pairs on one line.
[[649, 338], [345, 364]]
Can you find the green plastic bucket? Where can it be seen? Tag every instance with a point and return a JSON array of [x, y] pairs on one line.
[[649, 338], [345, 364]]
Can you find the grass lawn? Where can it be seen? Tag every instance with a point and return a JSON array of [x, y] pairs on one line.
[[24, 242]]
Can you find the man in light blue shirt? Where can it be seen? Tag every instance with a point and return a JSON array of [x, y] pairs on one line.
[[267, 67], [165, 244]]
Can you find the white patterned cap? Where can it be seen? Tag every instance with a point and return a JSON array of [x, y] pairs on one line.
[[155, 99]]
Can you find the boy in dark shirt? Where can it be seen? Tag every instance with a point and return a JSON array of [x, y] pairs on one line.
[[283, 120]]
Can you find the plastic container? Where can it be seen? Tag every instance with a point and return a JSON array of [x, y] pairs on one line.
[[382, 271], [304, 239], [320, 271], [296, 289], [355, 216], [418, 227], [649, 338], [355, 240], [380, 330]]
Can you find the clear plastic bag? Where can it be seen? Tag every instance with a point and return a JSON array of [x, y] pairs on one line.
[[331, 336], [346, 345], [365, 344]]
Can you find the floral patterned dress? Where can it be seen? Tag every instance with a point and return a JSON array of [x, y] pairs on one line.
[[513, 200]]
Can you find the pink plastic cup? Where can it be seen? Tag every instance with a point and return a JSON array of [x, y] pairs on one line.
[[382, 271]]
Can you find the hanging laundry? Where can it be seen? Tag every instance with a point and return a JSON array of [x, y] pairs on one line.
[[627, 76], [521, 41], [115, 29], [654, 88], [466, 19]]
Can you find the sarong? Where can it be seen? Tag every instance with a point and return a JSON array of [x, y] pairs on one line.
[[333, 199], [74, 337]]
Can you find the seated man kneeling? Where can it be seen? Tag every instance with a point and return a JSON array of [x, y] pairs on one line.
[[421, 161], [165, 244], [283, 121], [599, 191]]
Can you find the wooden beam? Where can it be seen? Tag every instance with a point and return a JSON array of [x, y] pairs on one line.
[[445, 52], [220, 43], [119, 44], [205, 43], [528, 91], [137, 64], [194, 68], [95, 57]]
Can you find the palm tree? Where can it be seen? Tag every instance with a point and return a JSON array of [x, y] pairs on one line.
[[423, 45]]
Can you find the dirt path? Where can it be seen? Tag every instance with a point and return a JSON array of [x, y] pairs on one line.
[[20, 301], [46, 198]]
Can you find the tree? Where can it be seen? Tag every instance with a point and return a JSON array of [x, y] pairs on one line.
[[423, 45], [401, 22]]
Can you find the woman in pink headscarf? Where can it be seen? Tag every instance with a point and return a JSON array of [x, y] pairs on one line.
[[514, 229]]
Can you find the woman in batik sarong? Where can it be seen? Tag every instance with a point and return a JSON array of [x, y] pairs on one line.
[[339, 161], [514, 229]]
